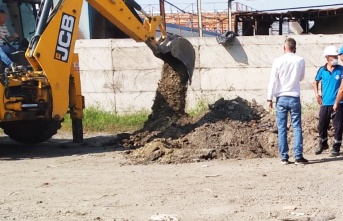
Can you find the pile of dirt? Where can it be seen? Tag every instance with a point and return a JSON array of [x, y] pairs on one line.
[[229, 129]]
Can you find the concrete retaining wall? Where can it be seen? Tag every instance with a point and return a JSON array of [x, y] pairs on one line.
[[122, 75]]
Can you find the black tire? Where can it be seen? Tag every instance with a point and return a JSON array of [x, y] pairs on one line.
[[31, 131]]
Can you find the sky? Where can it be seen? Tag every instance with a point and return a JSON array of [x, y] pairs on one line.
[[209, 5]]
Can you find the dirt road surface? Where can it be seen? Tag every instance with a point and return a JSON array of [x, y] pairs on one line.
[[60, 181]]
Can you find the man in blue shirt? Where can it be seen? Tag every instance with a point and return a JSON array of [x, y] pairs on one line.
[[330, 77], [341, 54]]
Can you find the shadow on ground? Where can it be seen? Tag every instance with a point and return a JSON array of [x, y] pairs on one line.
[[326, 160], [11, 150]]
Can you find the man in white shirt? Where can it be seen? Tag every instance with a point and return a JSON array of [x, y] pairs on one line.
[[287, 72], [5, 50]]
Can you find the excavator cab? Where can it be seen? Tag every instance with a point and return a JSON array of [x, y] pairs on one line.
[[21, 19], [21, 16]]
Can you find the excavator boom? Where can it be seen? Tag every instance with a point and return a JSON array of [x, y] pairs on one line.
[[118, 12]]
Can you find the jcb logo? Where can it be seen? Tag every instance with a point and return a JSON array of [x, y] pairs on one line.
[[64, 37]]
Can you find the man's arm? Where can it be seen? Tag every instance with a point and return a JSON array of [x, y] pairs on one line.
[[6, 34], [339, 96], [318, 78], [272, 85], [13, 37], [302, 69], [316, 92]]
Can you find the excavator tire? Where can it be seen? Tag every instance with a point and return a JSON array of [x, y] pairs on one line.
[[31, 131]]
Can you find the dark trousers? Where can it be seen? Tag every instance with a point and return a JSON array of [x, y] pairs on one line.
[[325, 115]]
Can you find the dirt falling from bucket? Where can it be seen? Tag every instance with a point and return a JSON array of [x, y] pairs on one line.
[[170, 99]]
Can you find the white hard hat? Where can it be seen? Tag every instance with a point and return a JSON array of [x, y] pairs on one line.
[[331, 50]]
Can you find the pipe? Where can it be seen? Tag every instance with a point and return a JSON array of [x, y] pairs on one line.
[[42, 23], [199, 18], [44, 17]]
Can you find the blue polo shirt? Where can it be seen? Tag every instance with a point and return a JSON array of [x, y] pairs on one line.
[[330, 83]]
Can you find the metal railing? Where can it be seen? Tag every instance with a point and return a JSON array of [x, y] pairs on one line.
[[214, 7], [185, 15]]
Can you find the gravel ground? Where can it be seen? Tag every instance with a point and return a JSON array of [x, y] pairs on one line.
[[58, 180]]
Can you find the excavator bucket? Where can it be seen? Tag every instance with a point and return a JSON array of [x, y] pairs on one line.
[[182, 50], [172, 45]]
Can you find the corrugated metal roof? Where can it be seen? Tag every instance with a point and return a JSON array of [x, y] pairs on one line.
[[289, 12], [304, 14]]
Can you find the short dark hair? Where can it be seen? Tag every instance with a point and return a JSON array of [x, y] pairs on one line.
[[291, 44]]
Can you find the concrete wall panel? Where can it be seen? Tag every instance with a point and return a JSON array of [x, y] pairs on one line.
[[121, 75]]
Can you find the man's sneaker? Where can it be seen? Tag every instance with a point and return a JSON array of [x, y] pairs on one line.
[[301, 161], [320, 150], [284, 161], [334, 153]]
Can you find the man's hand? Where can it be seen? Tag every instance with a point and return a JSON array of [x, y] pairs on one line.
[[15, 35], [335, 107], [319, 99], [270, 105]]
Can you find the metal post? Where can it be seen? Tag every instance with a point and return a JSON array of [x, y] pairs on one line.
[[178, 16], [255, 27], [280, 25], [229, 24], [199, 18], [192, 20], [163, 13]]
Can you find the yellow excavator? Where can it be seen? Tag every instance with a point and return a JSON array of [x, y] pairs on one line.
[[45, 86]]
